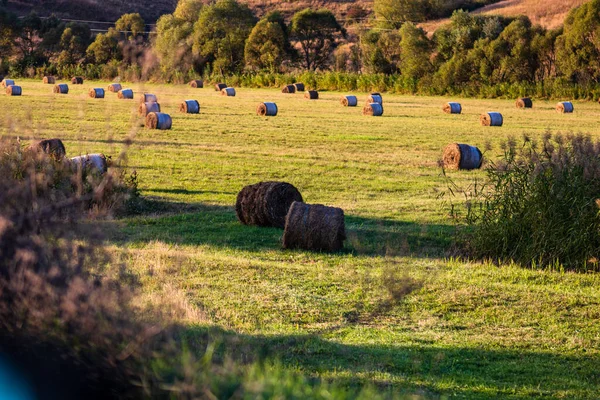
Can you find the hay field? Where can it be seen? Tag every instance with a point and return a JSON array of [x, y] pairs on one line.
[[391, 309]]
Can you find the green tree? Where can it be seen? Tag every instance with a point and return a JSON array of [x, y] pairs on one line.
[[74, 42], [381, 51], [393, 13], [132, 24], [268, 44], [415, 50], [9, 31], [316, 32], [188, 10], [104, 48]]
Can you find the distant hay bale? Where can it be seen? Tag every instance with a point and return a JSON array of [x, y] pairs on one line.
[[299, 87], [196, 83], [375, 98], [230, 92], [8, 82], [289, 89], [267, 109], [524, 102], [314, 227], [462, 156], [349, 101], [147, 98], [14, 90], [49, 80], [61, 88], [220, 86], [373, 109], [77, 80], [114, 87], [126, 94], [97, 93], [452, 108], [565, 107], [148, 107], [190, 107], [491, 119], [158, 120], [53, 147], [266, 203], [90, 162], [311, 95]]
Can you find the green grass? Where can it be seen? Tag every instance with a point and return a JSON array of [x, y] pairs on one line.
[[452, 329]]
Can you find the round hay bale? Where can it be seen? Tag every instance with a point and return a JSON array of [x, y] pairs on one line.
[[114, 87], [491, 119], [524, 102], [220, 86], [462, 156], [299, 87], [14, 90], [311, 95], [97, 93], [61, 88], [190, 107], [53, 147], [196, 83], [289, 89], [147, 98], [452, 108], [373, 109], [565, 107], [126, 94], [158, 120], [314, 227], [90, 162], [375, 98], [77, 80], [49, 80], [266, 109], [8, 82], [349, 101], [230, 92], [266, 203], [148, 107]]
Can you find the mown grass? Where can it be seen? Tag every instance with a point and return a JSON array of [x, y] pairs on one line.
[[391, 309]]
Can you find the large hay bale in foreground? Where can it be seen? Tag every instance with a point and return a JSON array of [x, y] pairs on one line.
[[7, 82], [158, 120], [77, 80], [126, 94], [314, 227], [145, 108], [491, 119], [349, 101], [311, 95], [147, 98], [61, 88], [266, 109], [220, 86], [452, 108], [524, 102], [299, 87], [53, 147], [114, 87], [97, 93], [565, 107], [49, 80], [266, 203], [14, 90], [229, 92], [89, 162], [190, 107], [373, 109], [289, 89], [462, 156], [375, 98], [196, 83]]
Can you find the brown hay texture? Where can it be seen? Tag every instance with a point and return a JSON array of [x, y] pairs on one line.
[[49, 80], [220, 86], [114, 87], [299, 87], [7, 82], [158, 120], [491, 119], [14, 90], [77, 80], [565, 107], [289, 89], [311, 95], [266, 203], [147, 98], [196, 84], [229, 92], [146, 108], [266, 109], [97, 93], [53, 147], [462, 156], [524, 102], [190, 107], [95, 162], [349, 101], [452, 108], [373, 109], [314, 227], [61, 88], [125, 94], [375, 98]]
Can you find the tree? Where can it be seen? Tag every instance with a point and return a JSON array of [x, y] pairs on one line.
[[315, 31], [415, 50], [393, 13], [9, 30], [172, 44], [132, 24], [74, 42], [188, 10], [268, 44], [104, 48], [381, 51]]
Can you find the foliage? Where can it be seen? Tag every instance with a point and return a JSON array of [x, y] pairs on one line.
[[132, 24], [268, 45]]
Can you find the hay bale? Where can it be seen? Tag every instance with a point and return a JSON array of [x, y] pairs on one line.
[[158, 120], [61, 88], [491, 119], [314, 227], [288, 89], [375, 98], [97, 93], [230, 92], [524, 102], [311, 95], [266, 109], [147, 98], [190, 107], [14, 90], [373, 109], [462, 156], [220, 86], [77, 80], [196, 83], [114, 87], [452, 108], [266, 203], [565, 107], [126, 94], [49, 80], [349, 101], [89, 162], [299, 87], [146, 108], [7, 82], [53, 147]]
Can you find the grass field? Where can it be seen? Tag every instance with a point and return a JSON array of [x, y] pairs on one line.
[[391, 309]]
